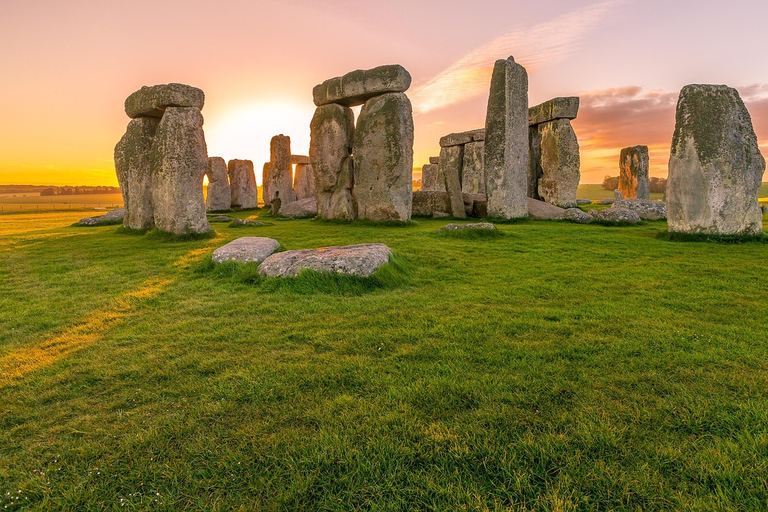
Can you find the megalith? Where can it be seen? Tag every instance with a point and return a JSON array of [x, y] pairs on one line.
[[473, 168], [219, 195], [151, 101], [304, 181], [429, 176], [281, 171], [179, 162], [506, 141], [242, 183], [330, 152], [451, 158], [133, 165], [634, 182], [383, 149], [359, 86], [265, 179], [715, 165]]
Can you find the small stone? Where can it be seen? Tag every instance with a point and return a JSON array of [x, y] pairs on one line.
[[541, 210], [306, 207], [618, 215], [114, 217], [219, 195], [576, 215], [633, 173], [487, 226], [645, 208], [220, 218], [583, 201], [461, 138], [434, 160], [440, 215], [247, 223], [607, 200], [248, 249], [152, 101], [242, 183], [357, 87], [617, 195], [358, 260], [557, 108]]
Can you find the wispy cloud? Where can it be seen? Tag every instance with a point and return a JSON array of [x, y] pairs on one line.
[[541, 44]]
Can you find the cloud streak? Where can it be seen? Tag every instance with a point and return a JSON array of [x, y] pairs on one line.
[[539, 45]]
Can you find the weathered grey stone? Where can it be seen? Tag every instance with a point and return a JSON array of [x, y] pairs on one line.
[[541, 210], [576, 215], [619, 215], [560, 163], [133, 166], [607, 200], [645, 208], [429, 175], [506, 141], [247, 249], [384, 158], [715, 165], [451, 160], [440, 215], [299, 159], [583, 201], [473, 169], [461, 138], [330, 151], [265, 179], [304, 182], [633, 173], [428, 202], [557, 108], [535, 172], [220, 218], [219, 195], [434, 160], [247, 223], [357, 87], [116, 216], [281, 172], [617, 195], [306, 207], [179, 162], [357, 260], [242, 183], [153, 100], [484, 226]]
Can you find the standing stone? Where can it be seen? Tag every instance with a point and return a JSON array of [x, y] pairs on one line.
[[266, 174], [506, 141], [281, 173], [473, 169], [133, 165], [179, 162], [429, 177], [560, 162], [451, 158], [330, 152], [242, 182], [304, 181], [384, 158], [634, 182], [219, 194], [535, 171], [715, 165]]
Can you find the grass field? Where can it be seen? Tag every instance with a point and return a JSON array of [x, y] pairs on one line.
[[557, 367]]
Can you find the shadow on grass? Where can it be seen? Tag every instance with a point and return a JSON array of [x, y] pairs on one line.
[[163, 236], [99, 225], [392, 275], [470, 234], [615, 224], [718, 239]]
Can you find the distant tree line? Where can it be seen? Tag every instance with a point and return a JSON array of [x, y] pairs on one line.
[[658, 185], [76, 191]]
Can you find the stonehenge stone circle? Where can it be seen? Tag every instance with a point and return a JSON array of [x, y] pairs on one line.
[[330, 153], [715, 165], [451, 158], [634, 182], [357, 87], [383, 158], [242, 183], [358, 260], [506, 141], [179, 162], [133, 166], [281, 170], [219, 195], [152, 101]]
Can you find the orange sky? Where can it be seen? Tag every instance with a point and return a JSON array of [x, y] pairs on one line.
[[67, 67]]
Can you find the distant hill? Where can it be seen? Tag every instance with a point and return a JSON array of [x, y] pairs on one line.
[[47, 190]]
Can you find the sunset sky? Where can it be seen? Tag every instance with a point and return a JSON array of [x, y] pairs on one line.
[[66, 68]]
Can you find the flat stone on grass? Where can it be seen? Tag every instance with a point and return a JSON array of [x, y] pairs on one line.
[[246, 223], [248, 249], [487, 226], [114, 217], [360, 260]]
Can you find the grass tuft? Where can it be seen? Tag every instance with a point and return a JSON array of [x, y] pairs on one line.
[[518, 220], [615, 224], [718, 239]]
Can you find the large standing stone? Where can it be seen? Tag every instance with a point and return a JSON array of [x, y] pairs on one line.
[[281, 172], [133, 165], [535, 172], [219, 194], [560, 162], [242, 183], [152, 101], [304, 181], [429, 174], [451, 158], [506, 141], [634, 182], [265, 179], [179, 162], [715, 165], [330, 152], [357, 87], [473, 168], [384, 158], [427, 202]]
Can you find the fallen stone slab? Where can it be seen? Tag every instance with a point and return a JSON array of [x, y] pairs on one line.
[[576, 215], [583, 201], [357, 87], [248, 249], [645, 208], [461, 138], [541, 210], [220, 218], [556, 108], [487, 226], [357, 260], [306, 207], [114, 217], [619, 215], [151, 101], [607, 200], [246, 223]]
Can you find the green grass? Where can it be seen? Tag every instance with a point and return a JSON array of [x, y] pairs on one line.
[[557, 367]]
